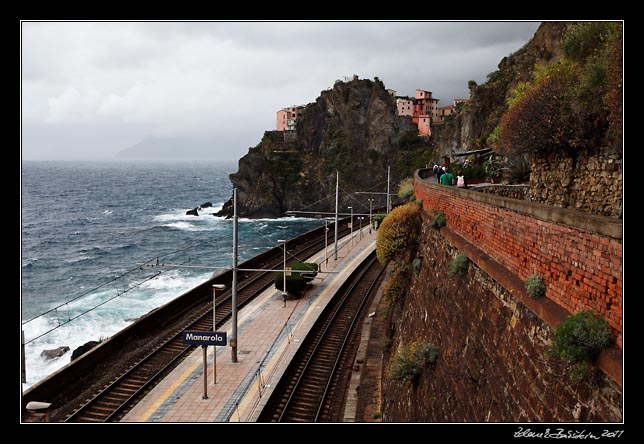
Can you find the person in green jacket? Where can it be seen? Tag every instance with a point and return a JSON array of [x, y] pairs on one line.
[[447, 178]]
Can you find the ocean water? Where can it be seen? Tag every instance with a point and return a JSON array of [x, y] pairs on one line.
[[86, 227]]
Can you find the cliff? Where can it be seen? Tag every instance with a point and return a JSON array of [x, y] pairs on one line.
[[469, 129], [352, 128]]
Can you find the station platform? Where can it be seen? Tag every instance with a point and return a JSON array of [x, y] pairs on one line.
[[269, 334]]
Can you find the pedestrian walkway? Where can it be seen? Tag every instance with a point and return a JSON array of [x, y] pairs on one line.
[[269, 334]]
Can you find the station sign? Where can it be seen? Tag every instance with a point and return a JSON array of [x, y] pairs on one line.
[[204, 337]]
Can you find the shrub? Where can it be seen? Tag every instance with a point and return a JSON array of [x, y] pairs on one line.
[[580, 337], [297, 283], [406, 189], [535, 286], [398, 232], [396, 286], [411, 360], [581, 371], [385, 343], [439, 220], [459, 265]]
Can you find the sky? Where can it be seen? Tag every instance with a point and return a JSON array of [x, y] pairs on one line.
[[209, 90]]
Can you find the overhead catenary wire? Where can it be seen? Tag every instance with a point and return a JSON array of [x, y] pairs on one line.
[[70, 319], [122, 275]]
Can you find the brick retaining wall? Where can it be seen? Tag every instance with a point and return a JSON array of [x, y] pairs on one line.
[[578, 255]]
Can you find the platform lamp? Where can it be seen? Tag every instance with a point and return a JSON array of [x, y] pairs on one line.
[[215, 287]]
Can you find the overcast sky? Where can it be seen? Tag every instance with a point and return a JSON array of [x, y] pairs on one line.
[[92, 89]]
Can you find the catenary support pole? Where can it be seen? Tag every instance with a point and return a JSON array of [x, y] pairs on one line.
[[233, 336], [337, 193]]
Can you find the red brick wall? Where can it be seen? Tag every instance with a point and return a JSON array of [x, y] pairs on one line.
[[581, 266]]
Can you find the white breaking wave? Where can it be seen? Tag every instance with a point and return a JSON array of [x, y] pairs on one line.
[[100, 323]]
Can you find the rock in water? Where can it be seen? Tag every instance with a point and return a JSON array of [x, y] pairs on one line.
[[54, 352], [193, 212], [84, 348], [206, 205]]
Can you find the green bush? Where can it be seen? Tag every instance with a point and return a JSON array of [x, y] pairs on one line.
[[580, 337], [297, 283], [398, 232], [439, 220], [581, 371], [535, 286], [411, 360], [378, 218], [459, 265]]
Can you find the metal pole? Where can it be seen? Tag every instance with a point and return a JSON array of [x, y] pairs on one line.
[[215, 287], [326, 241], [283, 242], [205, 373], [233, 336], [370, 221], [351, 208], [337, 192], [388, 198], [23, 361]]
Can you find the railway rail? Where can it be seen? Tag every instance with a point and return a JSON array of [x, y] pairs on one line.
[[313, 386], [113, 401], [116, 396]]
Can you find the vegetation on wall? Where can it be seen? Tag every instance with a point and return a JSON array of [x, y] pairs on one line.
[[406, 189], [398, 232], [411, 360], [459, 264], [396, 286], [535, 286], [439, 220], [578, 339]]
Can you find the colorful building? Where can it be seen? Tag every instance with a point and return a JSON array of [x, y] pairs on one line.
[[405, 106], [287, 118]]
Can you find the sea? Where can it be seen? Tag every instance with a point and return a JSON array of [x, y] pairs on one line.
[[88, 227]]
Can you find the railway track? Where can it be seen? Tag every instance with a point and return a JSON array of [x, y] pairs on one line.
[[119, 395], [314, 385]]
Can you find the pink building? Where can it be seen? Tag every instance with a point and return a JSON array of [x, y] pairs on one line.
[[287, 117], [424, 122], [405, 106]]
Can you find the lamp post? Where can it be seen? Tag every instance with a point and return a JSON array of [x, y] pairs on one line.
[[351, 225], [283, 242], [360, 225], [370, 204], [326, 241], [215, 287]]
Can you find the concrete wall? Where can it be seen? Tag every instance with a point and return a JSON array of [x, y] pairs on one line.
[[578, 255]]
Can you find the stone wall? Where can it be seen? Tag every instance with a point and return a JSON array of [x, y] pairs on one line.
[[589, 182], [514, 191], [578, 255], [491, 365]]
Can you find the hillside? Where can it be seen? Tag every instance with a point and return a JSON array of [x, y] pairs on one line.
[[352, 128]]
